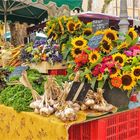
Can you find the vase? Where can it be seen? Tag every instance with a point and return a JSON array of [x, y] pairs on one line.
[[116, 96]]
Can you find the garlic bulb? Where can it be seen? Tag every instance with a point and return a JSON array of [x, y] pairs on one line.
[[37, 111], [35, 104], [83, 107], [46, 111], [69, 112], [89, 102]]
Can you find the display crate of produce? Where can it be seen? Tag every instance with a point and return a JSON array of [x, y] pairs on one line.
[[120, 126]]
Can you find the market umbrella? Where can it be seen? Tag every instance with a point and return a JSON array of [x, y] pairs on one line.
[[70, 3], [15, 10]]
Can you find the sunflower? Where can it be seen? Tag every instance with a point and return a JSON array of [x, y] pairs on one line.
[[79, 42], [100, 77], [114, 72], [70, 26], [128, 81], [129, 61], [61, 27], [111, 34], [132, 33], [51, 30], [55, 36], [123, 46], [88, 77], [87, 31], [99, 32], [94, 56], [106, 46], [75, 51], [116, 82], [78, 25], [120, 58], [136, 72]]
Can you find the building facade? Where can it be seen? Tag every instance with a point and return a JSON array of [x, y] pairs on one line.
[[114, 7]]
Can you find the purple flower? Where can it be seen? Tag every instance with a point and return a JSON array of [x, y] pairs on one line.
[[128, 53]]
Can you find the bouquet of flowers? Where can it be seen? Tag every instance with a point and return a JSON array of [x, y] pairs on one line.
[[42, 50], [114, 61]]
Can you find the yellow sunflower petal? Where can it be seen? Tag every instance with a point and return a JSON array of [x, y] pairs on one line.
[[136, 72], [94, 56], [106, 45], [88, 77], [75, 51], [99, 32], [111, 34], [128, 81], [70, 26], [123, 45], [132, 33], [87, 31], [78, 25], [120, 58], [114, 72], [79, 41]]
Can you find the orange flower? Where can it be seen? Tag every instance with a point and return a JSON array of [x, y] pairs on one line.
[[43, 57], [116, 82]]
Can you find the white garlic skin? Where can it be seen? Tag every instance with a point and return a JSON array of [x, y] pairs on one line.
[[89, 102], [83, 107], [37, 111], [35, 104], [69, 112]]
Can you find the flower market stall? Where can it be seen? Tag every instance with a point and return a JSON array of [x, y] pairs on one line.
[[101, 73]]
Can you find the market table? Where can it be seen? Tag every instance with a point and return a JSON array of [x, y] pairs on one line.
[[30, 126]]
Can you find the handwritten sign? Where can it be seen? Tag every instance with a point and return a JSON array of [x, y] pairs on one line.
[[18, 71], [78, 91], [100, 24], [95, 41]]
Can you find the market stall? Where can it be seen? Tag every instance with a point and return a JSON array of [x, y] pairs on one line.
[[70, 80]]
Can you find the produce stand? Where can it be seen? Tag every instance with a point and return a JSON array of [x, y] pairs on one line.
[[96, 75]]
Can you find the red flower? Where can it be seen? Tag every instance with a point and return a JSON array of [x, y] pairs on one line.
[[107, 58], [81, 58]]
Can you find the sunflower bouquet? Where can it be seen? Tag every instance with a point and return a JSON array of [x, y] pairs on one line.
[[63, 28], [114, 61]]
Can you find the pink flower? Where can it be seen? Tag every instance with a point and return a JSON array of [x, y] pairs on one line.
[[136, 52], [128, 53], [96, 70], [134, 48], [103, 67]]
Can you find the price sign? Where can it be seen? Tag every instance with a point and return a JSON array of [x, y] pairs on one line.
[[100, 24], [95, 41], [18, 71]]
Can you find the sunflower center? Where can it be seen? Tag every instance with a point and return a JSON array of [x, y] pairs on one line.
[[113, 70], [94, 57], [77, 51], [71, 27], [131, 35], [126, 80], [105, 45], [110, 36], [79, 43], [118, 58], [137, 72], [87, 32]]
